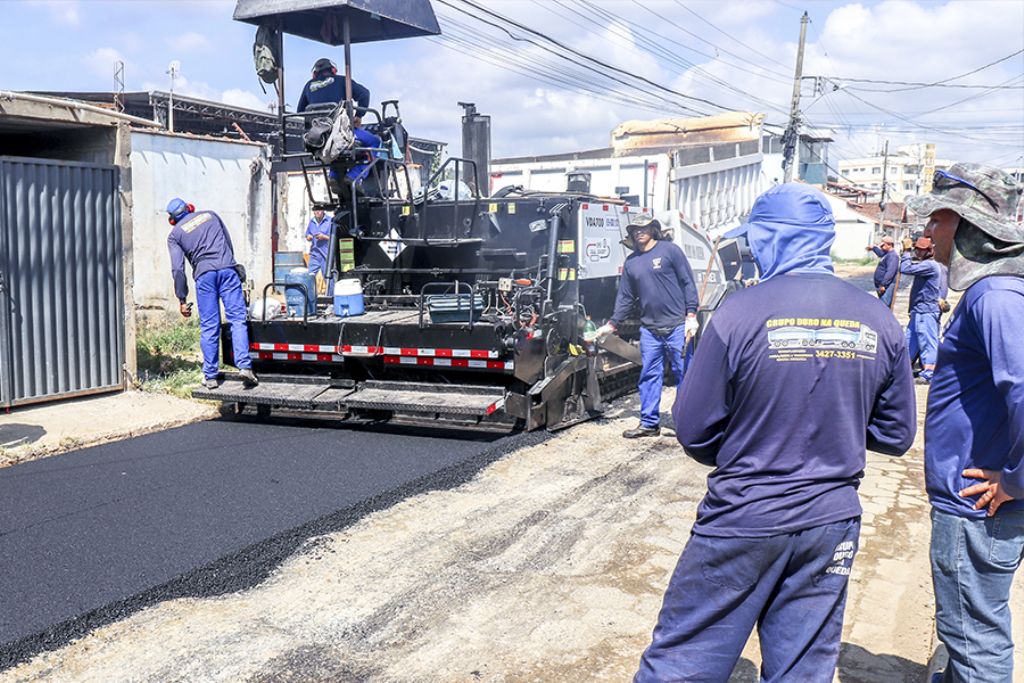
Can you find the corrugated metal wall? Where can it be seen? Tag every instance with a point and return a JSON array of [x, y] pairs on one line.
[[62, 297]]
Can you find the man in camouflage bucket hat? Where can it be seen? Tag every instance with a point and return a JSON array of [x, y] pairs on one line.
[[974, 427]]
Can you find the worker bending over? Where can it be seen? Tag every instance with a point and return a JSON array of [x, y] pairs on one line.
[[201, 238], [658, 280], [792, 380]]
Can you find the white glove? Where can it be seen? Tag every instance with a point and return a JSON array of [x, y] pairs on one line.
[[691, 326], [604, 331]]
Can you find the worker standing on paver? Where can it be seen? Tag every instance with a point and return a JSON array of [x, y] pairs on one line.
[[885, 272], [792, 380], [658, 280], [974, 426], [318, 234], [202, 238], [925, 293]]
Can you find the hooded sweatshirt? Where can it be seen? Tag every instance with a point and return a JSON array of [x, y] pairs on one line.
[[793, 379]]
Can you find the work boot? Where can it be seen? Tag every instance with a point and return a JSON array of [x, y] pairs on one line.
[[640, 431], [248, 378], [210, 383]]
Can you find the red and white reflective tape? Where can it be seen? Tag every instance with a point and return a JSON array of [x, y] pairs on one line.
[[295, 348], [450, 362], [377, 350], [319, 357]]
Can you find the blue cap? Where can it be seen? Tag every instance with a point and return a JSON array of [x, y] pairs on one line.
[[177, 208]]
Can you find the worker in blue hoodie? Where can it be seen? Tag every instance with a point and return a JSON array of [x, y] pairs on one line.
[[657, 282], [925, 294], [202, 239], [974, 425], [792, 380]]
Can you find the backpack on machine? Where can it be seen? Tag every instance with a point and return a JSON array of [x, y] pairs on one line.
[[264, 55]]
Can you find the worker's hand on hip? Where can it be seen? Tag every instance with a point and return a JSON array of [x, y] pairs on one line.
[[990, 492], [186, 310], [691, 326]]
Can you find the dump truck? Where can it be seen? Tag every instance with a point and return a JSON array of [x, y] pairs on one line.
[[471, 309]]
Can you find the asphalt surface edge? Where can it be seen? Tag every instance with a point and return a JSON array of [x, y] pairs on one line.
[[253, 564]]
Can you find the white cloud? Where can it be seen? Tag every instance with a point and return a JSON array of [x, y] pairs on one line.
[[101, 63], [244, 98], [189, 42], [62, 11]]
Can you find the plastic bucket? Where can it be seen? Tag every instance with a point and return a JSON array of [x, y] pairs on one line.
[[296, 297], [348, 298]]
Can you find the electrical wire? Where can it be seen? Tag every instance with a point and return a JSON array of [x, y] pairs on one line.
[[944, 83], [601, 63]]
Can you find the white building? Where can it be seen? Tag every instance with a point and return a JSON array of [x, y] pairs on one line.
[[707, 169], [909, 173]]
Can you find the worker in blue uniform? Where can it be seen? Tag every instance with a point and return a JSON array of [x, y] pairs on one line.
[[318, 234], [923, 330], [792, 380], [326, 87], [201, 238], [974, 424], [657, 280], [885, 273]]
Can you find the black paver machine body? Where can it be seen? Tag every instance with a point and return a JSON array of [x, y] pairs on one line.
[[475, 306]]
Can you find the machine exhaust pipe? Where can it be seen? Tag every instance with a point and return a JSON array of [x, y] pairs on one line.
[[476, 146]]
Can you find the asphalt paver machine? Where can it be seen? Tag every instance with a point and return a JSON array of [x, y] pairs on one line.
[[474, 306]]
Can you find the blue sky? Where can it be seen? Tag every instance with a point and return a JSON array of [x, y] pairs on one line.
[[748, 46]]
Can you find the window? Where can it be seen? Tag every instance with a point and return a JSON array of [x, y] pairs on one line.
[[909, 185], [876, 170]]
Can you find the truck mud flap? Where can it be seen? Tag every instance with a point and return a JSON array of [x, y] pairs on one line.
[[296, 393], [427, 399]]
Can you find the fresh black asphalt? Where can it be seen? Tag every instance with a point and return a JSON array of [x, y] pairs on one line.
[[91, 536]]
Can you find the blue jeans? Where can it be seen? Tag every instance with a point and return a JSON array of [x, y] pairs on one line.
[[886, 298], [923, 339], [973, 563], [791, 586], [653, 349], [211, 289]]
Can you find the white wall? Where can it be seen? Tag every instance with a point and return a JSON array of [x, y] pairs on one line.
[[854, 232], [229, 178], [605, 175]]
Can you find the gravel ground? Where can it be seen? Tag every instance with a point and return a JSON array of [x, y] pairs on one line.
[[548, 565]]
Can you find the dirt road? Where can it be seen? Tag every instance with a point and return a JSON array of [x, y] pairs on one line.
[[547, 566]]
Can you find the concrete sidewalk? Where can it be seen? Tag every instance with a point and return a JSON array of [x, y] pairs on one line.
[[36, 431]]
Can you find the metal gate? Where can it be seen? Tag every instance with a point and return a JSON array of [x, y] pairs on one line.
[[61, 280]]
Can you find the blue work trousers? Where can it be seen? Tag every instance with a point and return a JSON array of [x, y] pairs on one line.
[[923, 339], [791, 586], [973, 563], [212, 288], [653, 350], [318, 264]]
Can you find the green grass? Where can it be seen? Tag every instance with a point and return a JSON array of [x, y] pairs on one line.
[[868, 260], [169, 358]]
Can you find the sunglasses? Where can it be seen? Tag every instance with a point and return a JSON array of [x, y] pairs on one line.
[[944, 181]]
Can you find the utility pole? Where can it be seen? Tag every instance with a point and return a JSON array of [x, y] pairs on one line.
[[791, 138], [885, 174], [174, 68]]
